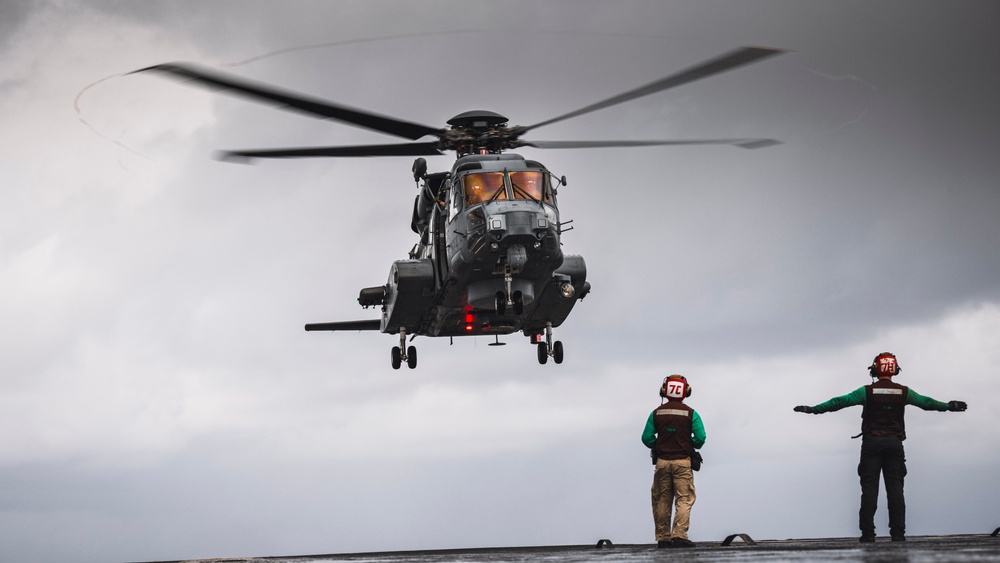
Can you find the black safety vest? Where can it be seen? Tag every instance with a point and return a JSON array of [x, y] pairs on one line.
[[672, 421], [883, 412]]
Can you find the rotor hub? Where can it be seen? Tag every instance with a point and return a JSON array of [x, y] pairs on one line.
[[478, 132], [477, 119]]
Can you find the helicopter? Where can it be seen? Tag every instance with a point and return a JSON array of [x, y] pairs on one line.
[[488, 259]]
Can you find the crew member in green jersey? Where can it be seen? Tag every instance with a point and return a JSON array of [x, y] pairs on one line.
[[882, 434], [673, 432]]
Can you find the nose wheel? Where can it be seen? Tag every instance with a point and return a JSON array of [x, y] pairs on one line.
[[514, 300], [548, 348], [402, 353], [510, 297]]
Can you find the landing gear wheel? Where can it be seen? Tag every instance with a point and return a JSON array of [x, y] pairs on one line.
[[557, 351], [501, 303], [518, 299], [411, 357], [543, 353], [397, 357]]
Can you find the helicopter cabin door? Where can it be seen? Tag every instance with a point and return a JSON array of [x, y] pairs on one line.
[[439, 252]]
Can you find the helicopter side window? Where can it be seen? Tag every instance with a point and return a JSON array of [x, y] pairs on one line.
[[455, 199], [484, 186], [529, 185]]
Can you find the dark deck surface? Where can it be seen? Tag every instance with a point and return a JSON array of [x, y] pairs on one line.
[[915, 550]]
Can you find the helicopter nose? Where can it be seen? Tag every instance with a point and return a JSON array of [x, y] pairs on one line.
[[517, 227]]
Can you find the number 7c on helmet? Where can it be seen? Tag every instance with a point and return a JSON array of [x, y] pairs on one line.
[[675, 387]]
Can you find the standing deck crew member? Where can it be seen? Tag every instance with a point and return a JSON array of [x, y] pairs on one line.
[[673, 432], [882, 435]]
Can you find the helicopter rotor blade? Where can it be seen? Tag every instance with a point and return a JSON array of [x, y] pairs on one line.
[[284, 99], [742, 143], [374, 324], [725, 62], [404, 149]]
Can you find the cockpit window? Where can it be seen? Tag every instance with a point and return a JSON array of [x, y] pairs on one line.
[[484, 186], [529, 185]]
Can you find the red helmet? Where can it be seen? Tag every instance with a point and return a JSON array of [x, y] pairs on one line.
[[884, 364], [675, 387]]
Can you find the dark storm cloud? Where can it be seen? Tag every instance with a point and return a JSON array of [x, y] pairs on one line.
[[12, 16]]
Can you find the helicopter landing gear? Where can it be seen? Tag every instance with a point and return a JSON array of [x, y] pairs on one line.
[[557, 352], [398, 356], [548, 348], [516, 301], [509, 297]]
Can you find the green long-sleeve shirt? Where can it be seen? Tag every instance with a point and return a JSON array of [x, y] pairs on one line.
[[697, 431], [859, 397]]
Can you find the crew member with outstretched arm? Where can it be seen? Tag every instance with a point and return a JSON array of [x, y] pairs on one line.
[[882, 434]]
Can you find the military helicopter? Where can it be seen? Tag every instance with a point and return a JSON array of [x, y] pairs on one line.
[[489, 258]]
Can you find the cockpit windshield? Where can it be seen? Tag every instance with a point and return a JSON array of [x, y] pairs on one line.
[[529, 185], [490, 186], [484, 186]]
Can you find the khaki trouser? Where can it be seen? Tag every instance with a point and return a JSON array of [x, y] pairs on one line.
[[673, 480]]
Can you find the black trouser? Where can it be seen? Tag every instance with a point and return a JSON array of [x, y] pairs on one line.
[[882, 454]]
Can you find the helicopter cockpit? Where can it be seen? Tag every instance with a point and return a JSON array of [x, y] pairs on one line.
[[482, 187]]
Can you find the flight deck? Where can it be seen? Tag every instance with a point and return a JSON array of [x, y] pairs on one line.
[[917, 549]]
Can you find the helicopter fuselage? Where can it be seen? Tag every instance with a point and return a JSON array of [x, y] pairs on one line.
[[489, 259]]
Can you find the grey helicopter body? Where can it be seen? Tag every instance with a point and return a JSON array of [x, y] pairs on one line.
[[489, 257]]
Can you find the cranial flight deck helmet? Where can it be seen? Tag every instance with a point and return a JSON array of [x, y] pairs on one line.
[[675, 387], [884, 364]]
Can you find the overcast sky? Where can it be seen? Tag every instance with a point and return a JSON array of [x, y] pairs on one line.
[[160, 400]]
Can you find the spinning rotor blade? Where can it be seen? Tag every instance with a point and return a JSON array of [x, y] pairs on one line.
[[290, 100], [373, 324], [743, 143], [728, 61], [405, 149]]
